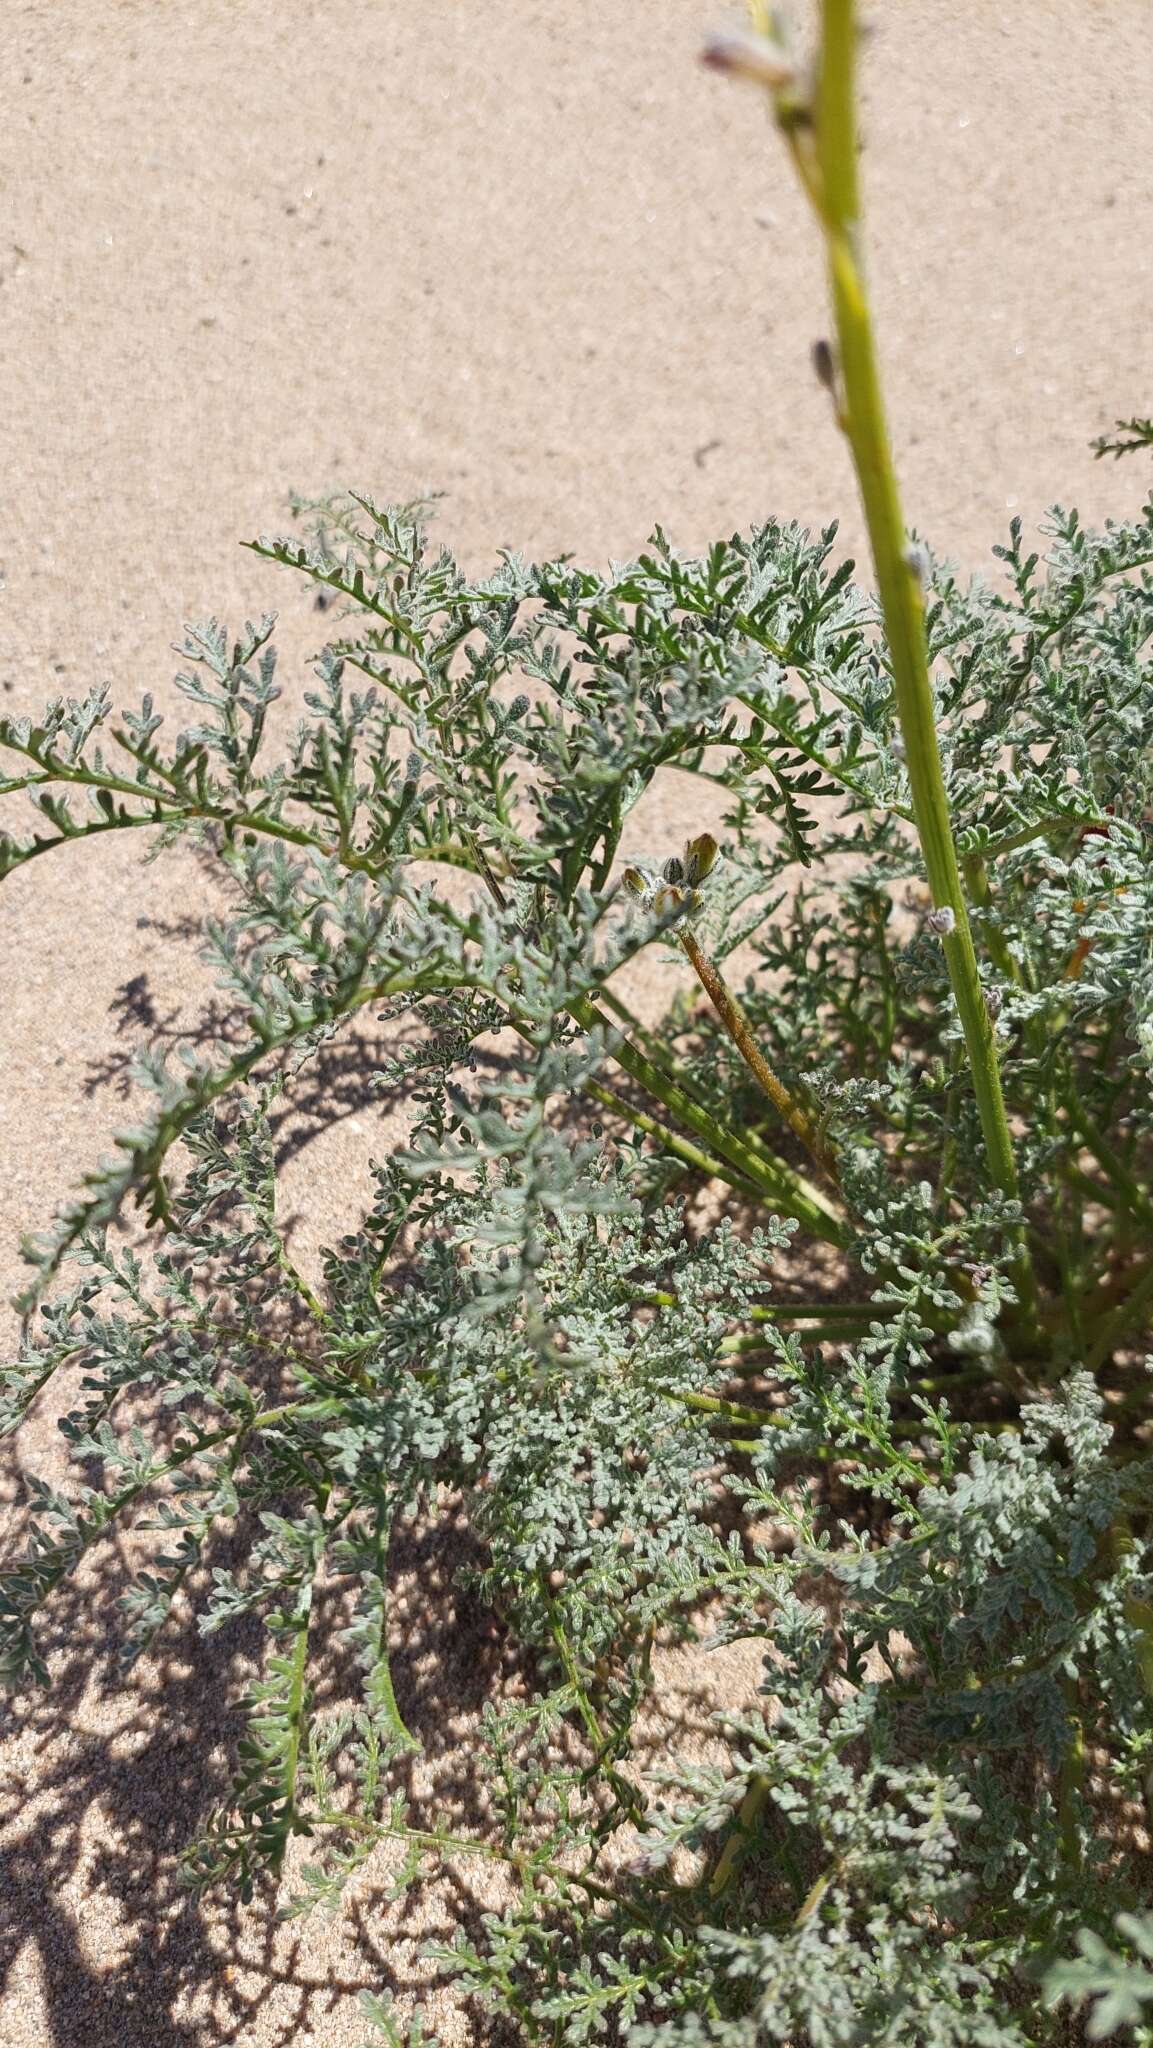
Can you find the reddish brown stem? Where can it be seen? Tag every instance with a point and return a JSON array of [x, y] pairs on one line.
[[739, 1030]]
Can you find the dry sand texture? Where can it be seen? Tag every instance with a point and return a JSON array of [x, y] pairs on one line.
[[531, 256]]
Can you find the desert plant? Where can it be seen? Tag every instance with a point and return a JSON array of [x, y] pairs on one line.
[[922, 851]]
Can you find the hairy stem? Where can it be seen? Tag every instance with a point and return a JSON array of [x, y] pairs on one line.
[[740, 1031], [736, 1848]]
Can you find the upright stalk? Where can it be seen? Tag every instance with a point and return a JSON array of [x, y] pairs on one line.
[[823, 142]]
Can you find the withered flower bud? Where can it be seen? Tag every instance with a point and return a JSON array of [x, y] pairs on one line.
[[824, 363], [741, 54]]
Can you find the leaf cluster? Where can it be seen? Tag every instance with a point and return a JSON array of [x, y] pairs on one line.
[[571, 1308]]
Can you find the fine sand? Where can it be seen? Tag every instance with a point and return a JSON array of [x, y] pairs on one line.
[[537, 259]]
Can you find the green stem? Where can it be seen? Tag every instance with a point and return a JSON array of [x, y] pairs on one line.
[[778, 1418], [1071, 1783], [528, 1861], [898, 585], [1109, 1160], [682, 1148], [821, 1311], [977, 878], [381, 1690], [735, 1350], [727, 1411], [658, 1051], [737, 1846], [814, 1897], [655, 1047], [295, 1705], [1137, 1610], [631, 1799], [787, 1189], [1123, 1320]]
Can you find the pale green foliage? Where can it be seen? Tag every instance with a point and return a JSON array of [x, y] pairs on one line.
[[1117, 1988], [531, 1322]]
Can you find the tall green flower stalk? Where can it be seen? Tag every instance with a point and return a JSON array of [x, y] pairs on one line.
[[820, 130]]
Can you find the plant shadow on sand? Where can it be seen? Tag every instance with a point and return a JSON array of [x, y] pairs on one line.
[[111, 1779]]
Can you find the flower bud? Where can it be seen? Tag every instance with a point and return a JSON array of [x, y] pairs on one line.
[[942, 920], [700, 856]]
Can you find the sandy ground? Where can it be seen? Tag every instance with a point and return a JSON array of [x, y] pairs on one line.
[[536, 259]]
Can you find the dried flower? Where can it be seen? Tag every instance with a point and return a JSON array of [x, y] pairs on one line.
[[740, 54], [824, 363], [917, 563], [667, 898]]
